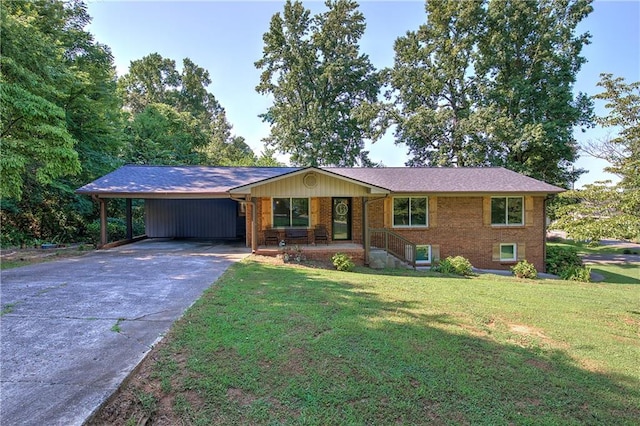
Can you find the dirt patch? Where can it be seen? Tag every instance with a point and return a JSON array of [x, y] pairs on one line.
[[526, 330], [15, 257]]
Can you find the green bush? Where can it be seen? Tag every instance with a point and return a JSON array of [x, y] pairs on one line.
[[116, 230], [524, 269], [576, 273], [561, 258], [342, 262], [454, 265]]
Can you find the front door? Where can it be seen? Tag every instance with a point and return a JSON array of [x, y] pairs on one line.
[[341, 217]]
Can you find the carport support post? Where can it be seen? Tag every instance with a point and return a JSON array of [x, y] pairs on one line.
[[129, 219], [103, 222], [254, 225]]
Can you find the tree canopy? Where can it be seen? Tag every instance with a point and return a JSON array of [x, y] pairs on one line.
[[322, 86], [489, 82]]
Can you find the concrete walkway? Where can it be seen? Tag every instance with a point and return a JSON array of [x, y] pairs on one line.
[[72, 330]]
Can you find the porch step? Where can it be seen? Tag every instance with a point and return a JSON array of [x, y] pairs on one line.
[[380, 259]]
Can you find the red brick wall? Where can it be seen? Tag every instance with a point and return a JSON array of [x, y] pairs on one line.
[[459, 230]]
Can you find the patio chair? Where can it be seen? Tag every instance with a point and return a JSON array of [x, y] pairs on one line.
[[320, 234], [271, 237]]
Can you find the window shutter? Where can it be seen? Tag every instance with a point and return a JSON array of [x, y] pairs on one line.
[[496, 252], [388, 211], [435, 253], [528, 211], [266, 213], [486, 211], [521, 252], [315, 211], [433, 211]]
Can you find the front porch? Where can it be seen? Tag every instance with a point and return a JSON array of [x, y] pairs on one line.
[[322, 252]]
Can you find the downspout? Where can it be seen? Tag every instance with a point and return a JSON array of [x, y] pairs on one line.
[[544, 232], [254, 231], [365, 227]]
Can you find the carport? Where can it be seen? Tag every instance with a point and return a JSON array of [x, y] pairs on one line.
[[181, 202]]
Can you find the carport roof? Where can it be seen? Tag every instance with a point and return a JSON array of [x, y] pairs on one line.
[[133, 181]]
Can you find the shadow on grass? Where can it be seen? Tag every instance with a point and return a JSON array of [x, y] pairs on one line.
[[289, 345], [611, 277]]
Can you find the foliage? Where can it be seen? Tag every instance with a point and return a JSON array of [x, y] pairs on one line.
[[605, 210], [490, 82], [457, 265], [277, 344], [116, 230], [436, 87], [174, 119], [576, 273], [622, 151], [342, 262], [322, 87], [560, 259], [292, 254], [602, 211], [524, 269], [34, 76]]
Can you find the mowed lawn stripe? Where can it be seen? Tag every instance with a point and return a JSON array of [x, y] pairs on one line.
[[280, 344]]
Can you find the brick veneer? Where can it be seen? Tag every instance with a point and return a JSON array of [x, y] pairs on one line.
[[459, 230]]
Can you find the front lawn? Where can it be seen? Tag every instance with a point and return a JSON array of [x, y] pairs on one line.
[[279, 344], [618, 273]]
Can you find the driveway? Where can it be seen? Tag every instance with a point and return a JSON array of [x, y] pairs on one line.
[[72, 330]]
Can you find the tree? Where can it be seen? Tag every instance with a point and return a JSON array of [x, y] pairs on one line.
[[60, 118], [34, 137], [605, 210], [174, 119], [321, 85], [437, 87], [622, 151], [489, 82], [531, 56]]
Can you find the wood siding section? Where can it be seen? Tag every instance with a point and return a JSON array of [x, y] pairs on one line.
[[326, 186], [266, 213], [315, 211], [432, 219]]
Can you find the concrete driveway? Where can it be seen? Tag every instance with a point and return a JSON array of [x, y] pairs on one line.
[[72, 330]]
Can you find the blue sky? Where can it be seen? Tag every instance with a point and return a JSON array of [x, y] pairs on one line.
[[226, 39]]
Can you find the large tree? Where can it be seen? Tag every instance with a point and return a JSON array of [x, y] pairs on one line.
[[60, 118], [174, 118], [531, 55], [34, 137], [491, 82], [605, 210], [322, 86], [437, 87]]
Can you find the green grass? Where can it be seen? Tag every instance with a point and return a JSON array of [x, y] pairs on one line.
[[276, 344], [585, 248], [618, 273]]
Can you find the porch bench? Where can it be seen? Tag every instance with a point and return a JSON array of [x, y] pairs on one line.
[[296, 235]]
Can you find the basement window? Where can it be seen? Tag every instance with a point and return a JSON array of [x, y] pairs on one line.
[[508, 252]]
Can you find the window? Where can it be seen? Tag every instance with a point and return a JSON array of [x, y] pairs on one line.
[[508, 252], [291, 212], [409, 211], [507, 211], [423, 254]]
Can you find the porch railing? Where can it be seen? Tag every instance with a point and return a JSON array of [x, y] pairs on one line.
[[394, 244]]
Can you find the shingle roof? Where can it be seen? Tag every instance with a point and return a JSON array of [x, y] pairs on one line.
[[168, 180], [446, 180], [182, 181]]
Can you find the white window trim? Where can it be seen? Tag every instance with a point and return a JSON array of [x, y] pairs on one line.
[[409, 226], [515, 252], [507, 212], [424, 262], [273, 221]]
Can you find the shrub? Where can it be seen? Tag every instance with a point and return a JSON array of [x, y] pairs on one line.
[[116, 230], [561, 258], [454, 265], [524, 269], [342, 262], [576, 273]]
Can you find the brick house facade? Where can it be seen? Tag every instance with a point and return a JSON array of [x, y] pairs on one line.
[[492, 216]]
